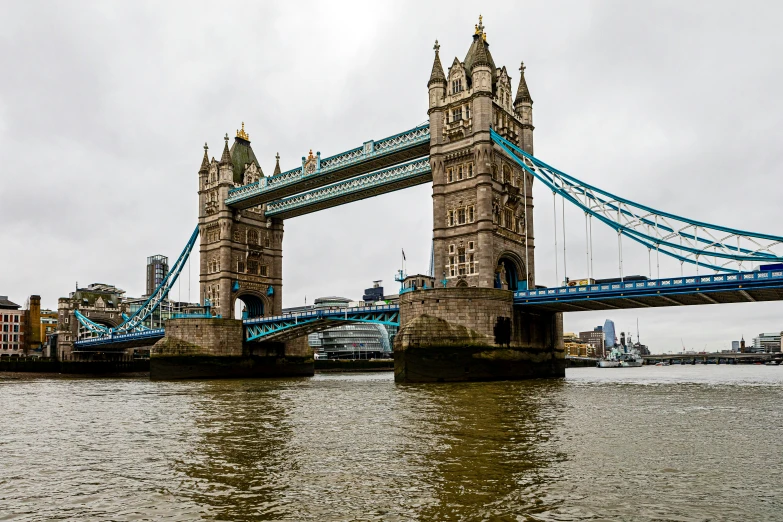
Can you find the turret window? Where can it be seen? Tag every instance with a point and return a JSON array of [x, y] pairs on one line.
[[456, 86], [461, 216], [508, 219], [459, 172], [456, 114]]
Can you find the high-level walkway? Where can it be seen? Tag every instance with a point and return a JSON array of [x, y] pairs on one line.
[[372, 156]]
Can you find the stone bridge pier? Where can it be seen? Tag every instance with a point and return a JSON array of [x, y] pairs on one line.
[[474, 334], [197, 348]]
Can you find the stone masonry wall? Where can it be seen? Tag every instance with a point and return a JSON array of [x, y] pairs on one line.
[[474, 308], [203, 337]]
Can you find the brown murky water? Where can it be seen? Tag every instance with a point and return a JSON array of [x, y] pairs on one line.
[[655, 443]]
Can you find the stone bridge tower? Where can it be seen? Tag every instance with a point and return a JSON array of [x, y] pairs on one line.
[[482, 201], [241, 251], [469, 329]]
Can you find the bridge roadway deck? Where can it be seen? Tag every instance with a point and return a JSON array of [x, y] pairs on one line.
[[120, 341], [370, 157], [286, 327], [740, 287]]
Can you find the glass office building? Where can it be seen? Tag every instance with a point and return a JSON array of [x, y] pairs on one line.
[[351, 341]]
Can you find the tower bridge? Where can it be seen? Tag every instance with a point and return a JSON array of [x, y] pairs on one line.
[[487, 318]]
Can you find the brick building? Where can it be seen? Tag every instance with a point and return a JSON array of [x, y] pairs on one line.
[[12, 329], [595, 338], [576, 347]]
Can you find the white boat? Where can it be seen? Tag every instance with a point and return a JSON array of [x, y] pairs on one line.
[[608, 363]]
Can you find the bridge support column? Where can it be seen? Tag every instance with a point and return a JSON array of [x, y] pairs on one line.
[[215, 349], [449, 335]]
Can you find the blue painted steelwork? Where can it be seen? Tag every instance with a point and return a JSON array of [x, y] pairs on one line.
[[369, 150], [412, 169], [134, 322], [196, 316], [689, 241], [685, 286], [144, 335], [267, 328]]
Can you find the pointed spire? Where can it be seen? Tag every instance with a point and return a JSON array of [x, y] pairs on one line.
[[205, 161], [479, 54], [225, 159], [277, 164], [437, 75], [523, 94]]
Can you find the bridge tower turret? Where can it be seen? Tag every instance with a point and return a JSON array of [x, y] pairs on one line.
[[482, 201], [523, 108], [240, 250]]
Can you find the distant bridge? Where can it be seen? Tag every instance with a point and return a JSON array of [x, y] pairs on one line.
[[729, 358]]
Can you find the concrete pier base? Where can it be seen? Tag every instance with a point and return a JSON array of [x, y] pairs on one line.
[[450, 334], [215, 349]]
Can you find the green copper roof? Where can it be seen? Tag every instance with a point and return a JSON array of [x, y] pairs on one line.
[[241, 155]]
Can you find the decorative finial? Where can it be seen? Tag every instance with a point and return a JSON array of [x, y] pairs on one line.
[[311, 155], [242, 134], [206, 147], [522, 68], [480, 26], [277, 164], [436, 47], [226, 139]]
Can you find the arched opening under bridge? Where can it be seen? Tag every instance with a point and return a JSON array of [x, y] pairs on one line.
[[507, 273], [248, 306]]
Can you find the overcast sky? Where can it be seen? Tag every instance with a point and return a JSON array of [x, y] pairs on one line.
[[105, 107]]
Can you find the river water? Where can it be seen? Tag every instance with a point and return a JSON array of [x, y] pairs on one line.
[[687, 443]]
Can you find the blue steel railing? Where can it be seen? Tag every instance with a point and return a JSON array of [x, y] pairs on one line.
[[120, 338], [322, 312], [690, 284], [411, 169], [369, 150], [265, 327]]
